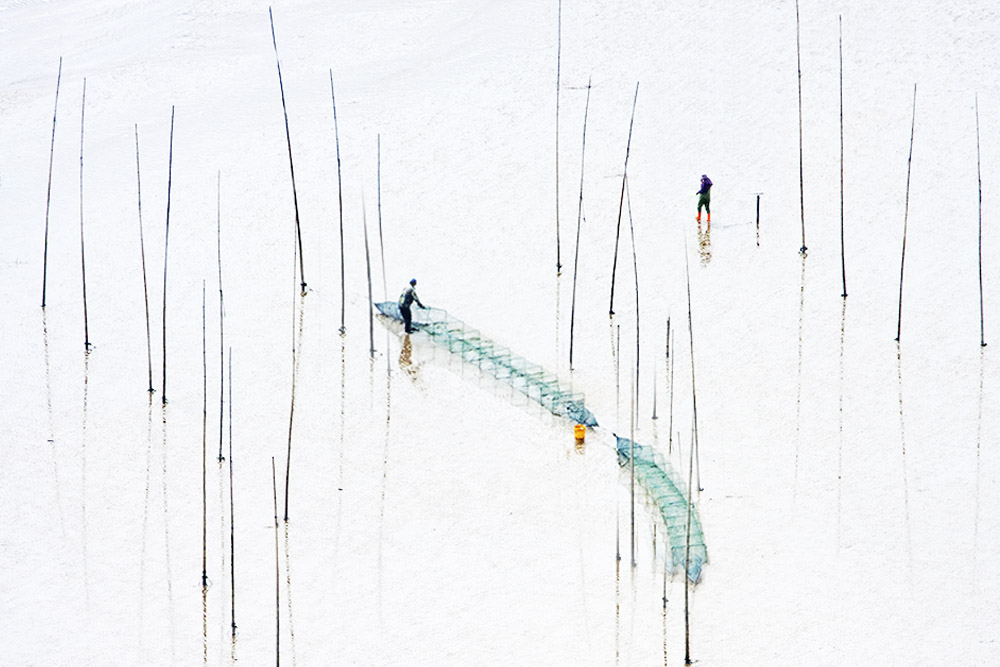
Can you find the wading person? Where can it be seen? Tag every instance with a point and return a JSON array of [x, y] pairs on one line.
[[704, 198], [406, 300]]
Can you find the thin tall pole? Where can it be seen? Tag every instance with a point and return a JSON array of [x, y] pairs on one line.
[[635, 271], [621, 203], [802, 190], [142, 251], [979, 173], [670, 365], [843, 260], [687, 561], [83, 261], [291, 165], [654, 394], [579, 220], [631, 460], [381, 245], [291, 411], [618, 375], [48, 193], [558, 71], [758, 217], [166, 245], [368, 266], [340, 208], [906, 214], [222, 317], [694, 395], [204, 443]]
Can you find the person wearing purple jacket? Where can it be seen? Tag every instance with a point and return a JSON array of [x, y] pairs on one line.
[[704, 197]]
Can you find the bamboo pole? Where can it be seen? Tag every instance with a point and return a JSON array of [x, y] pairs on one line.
[[906, 214], [340, 208], [222, 318], [843, 260], [142, 251], [296, 344], [670, 370], [83, 255], [291, 165], [48, 192], [618, 548], [558, 72], [381, 245], [166, 245], [371, 302], [654, 417], [297, 336], [979, 174], [621, 203], [618, 374], [758, 217], [694, 395], [687, 560], [631, 460], [802, 190], [579, 220], [635, 272]]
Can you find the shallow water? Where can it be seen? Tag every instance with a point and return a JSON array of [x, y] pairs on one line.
[[435, 515]]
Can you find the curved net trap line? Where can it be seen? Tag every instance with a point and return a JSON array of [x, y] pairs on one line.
[[671, 499], [530, 379], [663, 487]]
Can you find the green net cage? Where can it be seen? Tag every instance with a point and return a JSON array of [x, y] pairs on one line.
[[498, 361], [665, 490], [673, 503]]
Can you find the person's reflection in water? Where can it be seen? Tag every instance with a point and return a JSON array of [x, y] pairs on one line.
[[705, 243], [406, 357]]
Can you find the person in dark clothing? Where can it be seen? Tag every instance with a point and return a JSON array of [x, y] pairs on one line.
[[406, 300], [704, 197]]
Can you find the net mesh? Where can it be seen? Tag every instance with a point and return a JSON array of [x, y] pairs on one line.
[[667, 493], [665, 490], [530, 379]]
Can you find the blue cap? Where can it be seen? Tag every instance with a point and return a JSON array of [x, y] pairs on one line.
[[413, 281]]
